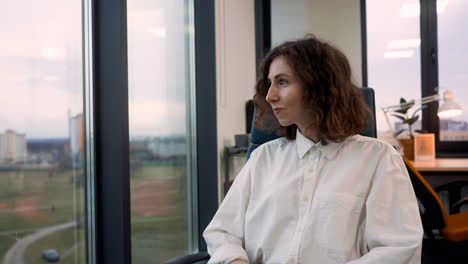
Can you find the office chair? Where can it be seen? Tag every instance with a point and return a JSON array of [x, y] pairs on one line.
[[260, 136], [451, 224]]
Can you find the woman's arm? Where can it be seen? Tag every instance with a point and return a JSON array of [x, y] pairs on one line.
[[224, 235], [393, 230]]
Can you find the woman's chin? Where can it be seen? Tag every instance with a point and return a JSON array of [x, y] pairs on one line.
[[284, 123]]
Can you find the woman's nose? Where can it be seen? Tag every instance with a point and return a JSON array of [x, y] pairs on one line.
[[272, 95]]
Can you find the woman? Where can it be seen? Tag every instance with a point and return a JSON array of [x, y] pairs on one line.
[[322, 193]]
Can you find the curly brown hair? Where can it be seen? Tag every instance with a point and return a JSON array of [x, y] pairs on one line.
[[338, 106]]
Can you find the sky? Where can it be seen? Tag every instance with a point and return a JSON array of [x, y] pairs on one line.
[[41, 62], [41, 67]]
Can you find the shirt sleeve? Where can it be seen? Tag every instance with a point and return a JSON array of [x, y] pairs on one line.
[[392, 231], [224, 235]]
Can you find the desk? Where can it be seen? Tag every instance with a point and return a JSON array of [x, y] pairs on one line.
[[443, 171], [442, 165]]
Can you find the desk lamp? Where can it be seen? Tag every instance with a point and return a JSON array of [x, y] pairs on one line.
[[448, 108]]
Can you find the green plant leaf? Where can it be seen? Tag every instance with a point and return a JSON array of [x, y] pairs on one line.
[[410, 121], [402, 100], [405, 106], [403, 110], [413, 120], [421, 131], [399, 132], [402, 118]]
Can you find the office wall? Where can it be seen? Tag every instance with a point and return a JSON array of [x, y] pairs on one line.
[[235, 70], [336, 21]]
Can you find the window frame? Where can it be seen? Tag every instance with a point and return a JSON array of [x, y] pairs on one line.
[[110, 104], [109, 229], [430, 79], [205, 83]]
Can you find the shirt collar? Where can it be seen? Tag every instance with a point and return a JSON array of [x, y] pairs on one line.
[[304, 145]]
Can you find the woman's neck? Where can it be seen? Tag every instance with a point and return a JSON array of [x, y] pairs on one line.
[[311, 133]]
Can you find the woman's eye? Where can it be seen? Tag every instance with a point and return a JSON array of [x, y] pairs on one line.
[[282, 82]]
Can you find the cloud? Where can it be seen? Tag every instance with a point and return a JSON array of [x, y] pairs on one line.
[[38, 112]]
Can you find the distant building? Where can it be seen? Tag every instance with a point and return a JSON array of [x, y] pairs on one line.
[[12, 146], [50, 150], [453, 135], [453, 130], [453, 125], [166, 146]]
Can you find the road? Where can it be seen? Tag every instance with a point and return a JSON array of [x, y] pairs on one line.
[[15, 255]]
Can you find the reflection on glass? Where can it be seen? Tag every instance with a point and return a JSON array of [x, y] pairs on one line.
[[41, 133], [453, 64], [159, 35], [393, 54]]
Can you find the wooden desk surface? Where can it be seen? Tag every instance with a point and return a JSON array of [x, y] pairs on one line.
[[460, 165]]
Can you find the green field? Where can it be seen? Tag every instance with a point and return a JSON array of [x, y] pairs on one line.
[[64, 242], [158, 238], [41, 199]]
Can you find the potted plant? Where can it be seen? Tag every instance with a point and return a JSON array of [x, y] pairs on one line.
[[409, 119]]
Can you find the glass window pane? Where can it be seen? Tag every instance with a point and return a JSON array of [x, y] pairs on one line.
[[42, 177], [393, 52], [159, 37], [453, 65]]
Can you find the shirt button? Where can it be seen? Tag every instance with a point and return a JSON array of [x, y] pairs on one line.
[[311, 170], [305, 198], [291, 260], [299, 229]]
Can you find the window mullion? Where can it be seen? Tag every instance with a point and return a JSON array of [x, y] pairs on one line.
[[111, 143], [429, 64]]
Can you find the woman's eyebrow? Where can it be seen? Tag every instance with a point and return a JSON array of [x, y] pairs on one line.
[[279, 75]]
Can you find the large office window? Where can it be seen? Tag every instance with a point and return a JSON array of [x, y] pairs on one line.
[[415, 49], [393, 52], [42, 176], [453, 64], [79, 180], [161, 128]]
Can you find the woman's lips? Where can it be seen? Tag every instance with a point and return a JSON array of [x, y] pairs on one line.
[[277, 110]]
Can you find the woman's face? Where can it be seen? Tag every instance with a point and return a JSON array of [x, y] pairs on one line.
[[286, 95]]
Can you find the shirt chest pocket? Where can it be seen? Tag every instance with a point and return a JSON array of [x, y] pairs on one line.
[[338, 218]]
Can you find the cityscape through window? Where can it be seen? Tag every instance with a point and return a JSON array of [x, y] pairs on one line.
[[42, 180]]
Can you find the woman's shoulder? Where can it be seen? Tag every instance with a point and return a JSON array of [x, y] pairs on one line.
[[273, 146], [371, 144]]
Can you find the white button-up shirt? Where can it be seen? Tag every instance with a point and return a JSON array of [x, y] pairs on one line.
[[300, 202]]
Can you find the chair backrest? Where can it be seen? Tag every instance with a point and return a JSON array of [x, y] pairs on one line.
[[371, 127], [433, 214], [259, 136]]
